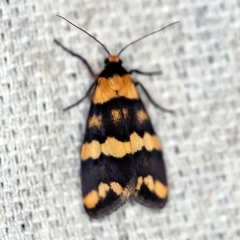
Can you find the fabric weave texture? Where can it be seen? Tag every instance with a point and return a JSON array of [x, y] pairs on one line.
[[40, 186]]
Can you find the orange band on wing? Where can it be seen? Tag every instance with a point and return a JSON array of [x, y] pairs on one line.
[[118, 149]]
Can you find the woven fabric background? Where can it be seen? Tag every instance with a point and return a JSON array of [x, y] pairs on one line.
[[40, 193]]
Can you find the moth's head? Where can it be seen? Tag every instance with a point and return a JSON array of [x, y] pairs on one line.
[[113, 59]]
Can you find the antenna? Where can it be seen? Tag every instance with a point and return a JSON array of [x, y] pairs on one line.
[[129, 44], [149, 34], [90, 35]]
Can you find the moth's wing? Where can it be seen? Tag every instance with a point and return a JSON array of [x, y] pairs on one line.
[[151, 188], [107, 168]]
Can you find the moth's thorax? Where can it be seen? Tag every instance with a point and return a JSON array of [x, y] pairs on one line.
[[113, 66], [114, 87], [117, 81]]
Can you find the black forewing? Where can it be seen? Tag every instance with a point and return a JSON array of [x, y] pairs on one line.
[[148, 164], [107, 169]]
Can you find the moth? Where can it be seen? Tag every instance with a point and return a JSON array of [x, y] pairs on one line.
[[121, 156]]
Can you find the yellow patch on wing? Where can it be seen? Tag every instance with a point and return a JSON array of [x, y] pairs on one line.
[[151, 142], [116, 86], [92, 198], [116, 115], [116, 82], [95, 121], [136, 142], [125, 112], [142, 116], [116, 187], [155, 187], [115, 148], [91, 150], [139, 183], [103, 188], [160, 189], [103, 93], [148, 141], [129, 89], [149, 182], [118, 149], [111, 147]]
